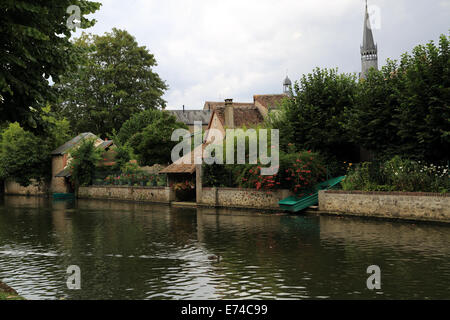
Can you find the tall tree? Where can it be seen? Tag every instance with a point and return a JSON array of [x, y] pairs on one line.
[[404, 109], [424, 110], [35, 46], [149, 134], [313, 118], [371, 122], [115, 81], [25, 155]]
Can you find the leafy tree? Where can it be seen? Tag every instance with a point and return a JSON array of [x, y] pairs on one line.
[[404, 109], [137, 123], [153, 144], [371, 121], [85, 159], [424, 110], [34, 47], [313, 118], [123, 153], [57, 130], [25, 156], [22, 156], [115, 81]]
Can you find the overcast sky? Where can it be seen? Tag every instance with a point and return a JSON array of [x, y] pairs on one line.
[[217, 49]]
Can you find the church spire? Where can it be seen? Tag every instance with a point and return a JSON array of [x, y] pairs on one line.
[[368, 42], [369, 50]]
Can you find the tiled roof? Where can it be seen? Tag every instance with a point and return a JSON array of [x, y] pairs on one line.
[[269, 101], [243, 116], [211, 105], [64, 173], [188, 117], [106, 144], [78, 139], [75, 141], [180, 167]]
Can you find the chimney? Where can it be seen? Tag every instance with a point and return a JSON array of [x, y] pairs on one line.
[[183, 108], [229, 114]]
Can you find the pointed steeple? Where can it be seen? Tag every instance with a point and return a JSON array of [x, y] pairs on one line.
[[369, 50], [368, 42]]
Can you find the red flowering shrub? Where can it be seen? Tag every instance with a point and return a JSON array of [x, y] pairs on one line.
[[298, 172], [303, 171]]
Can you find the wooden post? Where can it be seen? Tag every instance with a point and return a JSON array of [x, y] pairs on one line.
[[199, 182]]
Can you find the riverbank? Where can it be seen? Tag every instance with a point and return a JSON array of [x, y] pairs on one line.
[[8, 293], [431, 207], [412, 206], [168, 248]]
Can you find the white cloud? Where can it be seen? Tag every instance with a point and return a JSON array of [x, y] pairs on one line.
[[216, 49]]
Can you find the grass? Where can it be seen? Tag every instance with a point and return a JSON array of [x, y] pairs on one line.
[[7, 293]]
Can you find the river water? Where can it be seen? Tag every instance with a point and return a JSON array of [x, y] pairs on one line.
[[147, 251]]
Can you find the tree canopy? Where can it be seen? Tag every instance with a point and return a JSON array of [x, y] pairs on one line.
[[404, 109], [312, 119], [25, 156], [149, 134], [114, 81], [35, 47]]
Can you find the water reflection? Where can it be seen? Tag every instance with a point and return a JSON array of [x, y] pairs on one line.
[[146, 251]]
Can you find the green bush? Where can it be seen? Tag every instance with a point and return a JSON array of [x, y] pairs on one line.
[[298, 172], [85, 159], [398, 174]]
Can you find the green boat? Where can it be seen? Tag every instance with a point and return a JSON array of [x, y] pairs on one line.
[[295, 204], [63, 196]]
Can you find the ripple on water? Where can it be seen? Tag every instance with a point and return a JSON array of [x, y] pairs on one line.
[[151, 252]]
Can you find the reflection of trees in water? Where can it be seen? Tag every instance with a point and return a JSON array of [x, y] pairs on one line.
[[147, 238], [262, 253], [156, 249], [117, 245], [408, 254]]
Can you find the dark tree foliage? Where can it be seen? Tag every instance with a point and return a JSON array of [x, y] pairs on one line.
[[313, 119], [85, 159], [149, 134], [153, 145], [371, 121], [34, 46], [404, 109], [25, 156], [137, 123], [114, 81]]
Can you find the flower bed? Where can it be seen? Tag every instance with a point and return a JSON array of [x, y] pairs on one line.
[[398, 174]]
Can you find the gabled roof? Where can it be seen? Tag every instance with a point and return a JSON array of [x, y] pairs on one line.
[[242, 115], [269, 101], [180, 167], [75, 141], [212, 105], [188, 117], [106, 144], [64, 173], [78, 139]]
